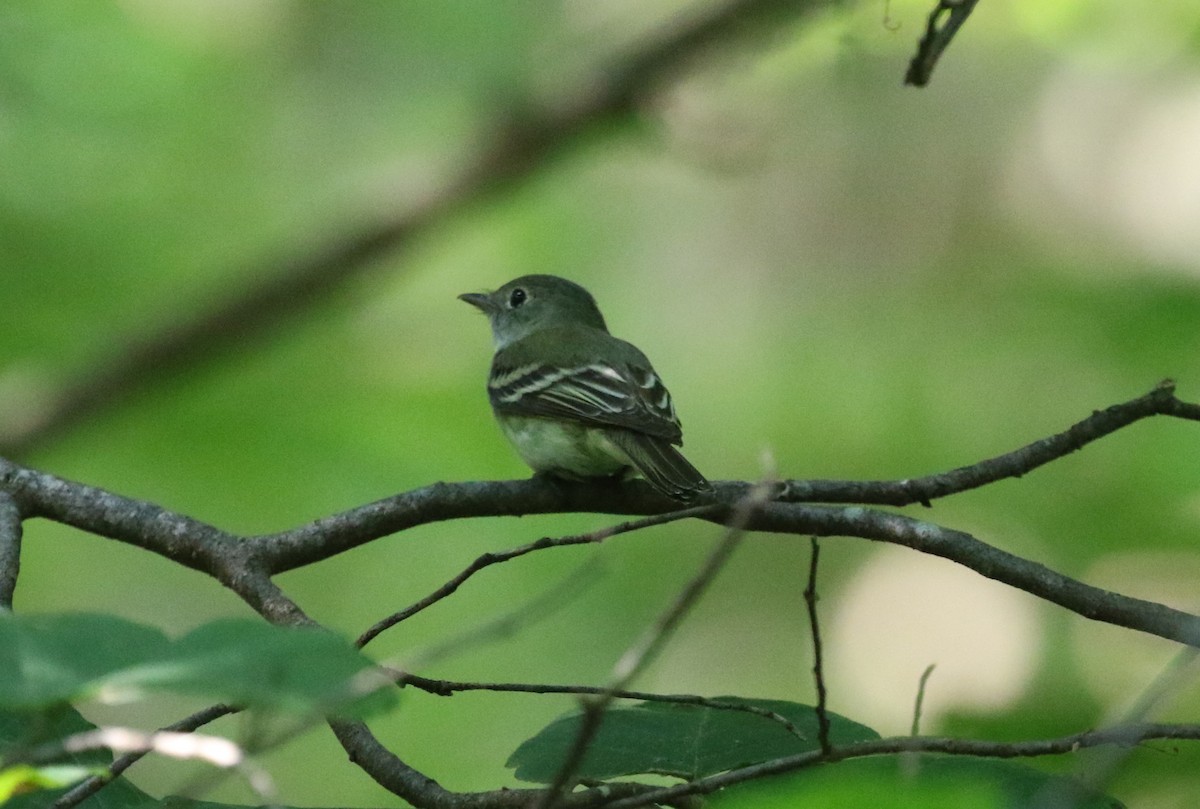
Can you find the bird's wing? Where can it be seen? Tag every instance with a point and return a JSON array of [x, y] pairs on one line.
[[624, 394]]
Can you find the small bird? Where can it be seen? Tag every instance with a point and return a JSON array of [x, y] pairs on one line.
[[575, 401]]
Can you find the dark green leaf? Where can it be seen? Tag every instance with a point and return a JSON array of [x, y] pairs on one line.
[[687, 741]]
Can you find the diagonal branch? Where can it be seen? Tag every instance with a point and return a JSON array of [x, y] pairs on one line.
[[986, 560], [1159, 402], [496, 557], [937, 37], [90, 786], [646, 648], [516, 147]]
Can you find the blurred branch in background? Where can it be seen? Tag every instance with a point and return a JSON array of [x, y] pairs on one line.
[[519, 144], [937, 37]]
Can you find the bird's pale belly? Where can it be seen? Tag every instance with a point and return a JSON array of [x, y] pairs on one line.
[[564, 448]]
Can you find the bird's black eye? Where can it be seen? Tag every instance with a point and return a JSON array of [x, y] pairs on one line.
[[516, 298]]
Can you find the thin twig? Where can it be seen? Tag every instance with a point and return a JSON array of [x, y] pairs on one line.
[[538, 608], [445, 688], [493, 557], [10, 548], [85, 789], [1178, 674], [921, 685], [216, 751], [639, 655], [937, 38], [814, 625]]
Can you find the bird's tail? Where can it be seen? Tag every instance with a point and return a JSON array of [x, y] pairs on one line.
[[661, 464]]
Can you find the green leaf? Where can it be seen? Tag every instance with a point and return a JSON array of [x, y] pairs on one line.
[[23, 778], [21, 730], [120, 794], [51, 659], [914, 781], [686, 741], [253, 663]]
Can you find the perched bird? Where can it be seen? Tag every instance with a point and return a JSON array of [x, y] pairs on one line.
[[575, 401]]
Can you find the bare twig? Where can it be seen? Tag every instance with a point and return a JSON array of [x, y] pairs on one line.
[[1178, 674], [1119, 735], [214, 750], [10, 548], [448, 687], [937, 38], [496, 557], [420, 790], [85, 789], [920, 702], [814, 624], [639, 655], [537, 608]]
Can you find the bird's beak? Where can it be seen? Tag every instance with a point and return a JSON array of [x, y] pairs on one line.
[[480, 300]]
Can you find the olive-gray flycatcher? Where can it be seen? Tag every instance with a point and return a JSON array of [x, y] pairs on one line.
[[575, 401]]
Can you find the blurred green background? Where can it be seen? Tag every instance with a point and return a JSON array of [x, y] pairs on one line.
[[861, 279]]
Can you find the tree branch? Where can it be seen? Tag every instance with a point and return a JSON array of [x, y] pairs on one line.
[[919, 703], [1159, 402], [246, 566], [420, 790], [230, 559], [90, 786], [10, 548]]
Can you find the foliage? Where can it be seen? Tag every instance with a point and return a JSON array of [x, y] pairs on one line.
[[873, 282], [685, 741]]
